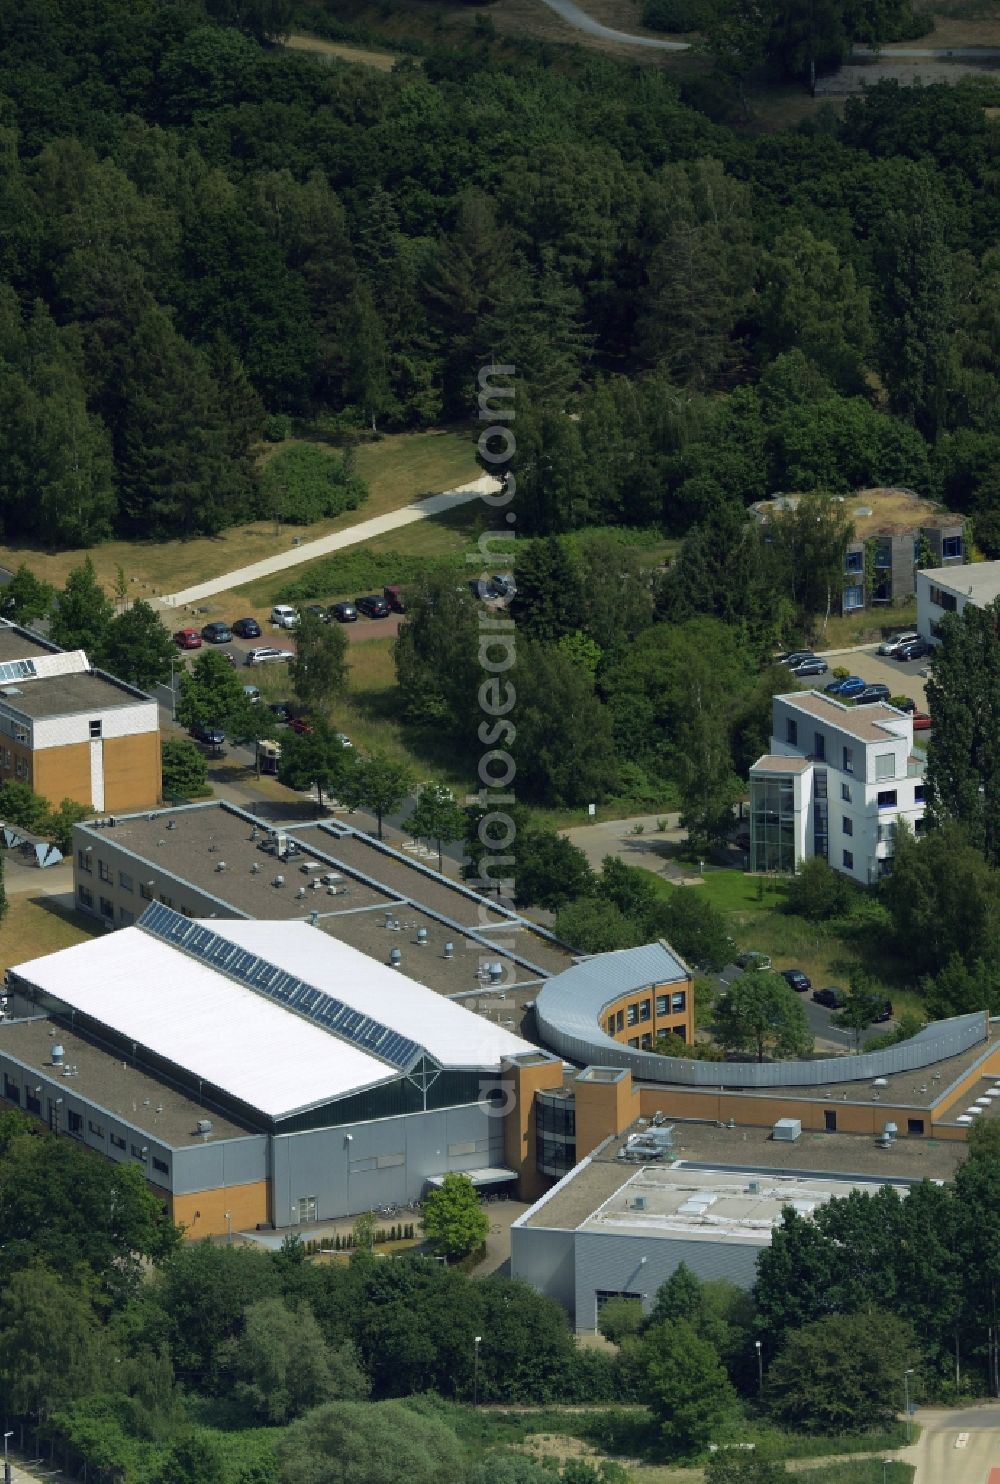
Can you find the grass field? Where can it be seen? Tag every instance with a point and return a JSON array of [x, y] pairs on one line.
[[398, 469], [343, 51], [37, 925]]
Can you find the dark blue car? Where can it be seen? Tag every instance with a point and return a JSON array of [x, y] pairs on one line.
[[852, 686]]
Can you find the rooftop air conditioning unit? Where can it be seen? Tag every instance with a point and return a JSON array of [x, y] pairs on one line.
[[309, 867], [787, 1129], [204, 1126]]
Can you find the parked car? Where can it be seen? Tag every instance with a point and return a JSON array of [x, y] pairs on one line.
[[797, 980], [266, 654], [921, 721], [284, 616], [503, 585], [247, 628], [483, 589], [872, 693], [188, 639], [889, 646], [751, 960], [846, 689], [374, 606], [795, 657], [217, 633], [343, 612], [833, 997], [395, 598], [281, 710], [252, 694], [884, 1014], [906, 704], [318, 612], [208, 732], [914, 650], [299, 724], [343, 739], [811, 666]]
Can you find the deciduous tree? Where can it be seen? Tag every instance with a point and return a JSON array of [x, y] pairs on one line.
[[454, 1220], [438, 816], [319, 670], [760, 1013]]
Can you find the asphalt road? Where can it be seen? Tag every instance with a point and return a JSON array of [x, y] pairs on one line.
[[937, 1459], [581, 21]]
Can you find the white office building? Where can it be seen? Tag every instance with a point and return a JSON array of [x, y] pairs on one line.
[[836, 783], [943, 590]]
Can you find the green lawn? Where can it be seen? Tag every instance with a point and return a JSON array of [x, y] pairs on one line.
[[36, 925]]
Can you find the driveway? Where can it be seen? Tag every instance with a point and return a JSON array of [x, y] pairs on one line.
[[937, 1459], [338, 541], [819, 1017], [581, 21]]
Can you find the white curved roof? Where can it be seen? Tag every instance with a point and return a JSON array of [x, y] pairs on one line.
[[572, 1002]]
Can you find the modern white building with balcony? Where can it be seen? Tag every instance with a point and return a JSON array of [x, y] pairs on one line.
[[941, 591], [836, 783]]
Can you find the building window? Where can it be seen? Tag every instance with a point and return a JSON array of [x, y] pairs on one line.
[[662, 1002], [95, 729], [848, 759], [854, 561], [944, 600], [95, 1128], [819, 746], [104, 871], [117, 1141], [124, 881], [307, 1207], [772, 823], [620, 1020], [848, 860], [86, 896], [854, 597], [21, 734], [845, 792], [885, 765], [633, 1041], [161, 1165], [887, 798], [951, 547], [830, 1120], [633, 1014], [85, 862], [679, 1031], [74, 1124], [21, 768], [146, 891], [167, 901], [137, 1152], [791, 731], [107, 908], [918, 793], [847, 824], [11, 1091], [887, 833], [645, 1009], [33, 1103], [677, 1001], [915, 1126], [611, 1025], [647, 1042]]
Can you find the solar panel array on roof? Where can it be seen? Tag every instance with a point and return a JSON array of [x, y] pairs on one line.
[[16, 670], [286, 989]]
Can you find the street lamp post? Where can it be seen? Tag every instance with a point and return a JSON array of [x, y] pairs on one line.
[[229, 1228], [760, 1367], [906, 1395], [478, 1340], [6, 1463]]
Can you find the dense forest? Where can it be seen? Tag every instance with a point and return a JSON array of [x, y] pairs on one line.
[[199, 230]]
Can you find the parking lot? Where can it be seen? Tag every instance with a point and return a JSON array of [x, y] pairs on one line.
[[902, 680]]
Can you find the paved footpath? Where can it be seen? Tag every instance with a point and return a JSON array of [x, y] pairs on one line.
[[353, 536]]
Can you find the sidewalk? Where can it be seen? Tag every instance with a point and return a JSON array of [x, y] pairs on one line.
[[338, 541]]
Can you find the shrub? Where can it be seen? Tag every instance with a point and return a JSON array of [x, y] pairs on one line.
[[302, 484], [277, 427], [674, 15]]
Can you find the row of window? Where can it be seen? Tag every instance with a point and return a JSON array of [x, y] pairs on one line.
[[645, 1042], [944, 600], [86, 862], [74, 1122], [885, 762], [639, 1010]]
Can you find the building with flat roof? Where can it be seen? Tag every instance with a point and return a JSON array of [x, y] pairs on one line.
[[73, 732], [836, 783], [258, 1069], [941, 591], [624, 1219]]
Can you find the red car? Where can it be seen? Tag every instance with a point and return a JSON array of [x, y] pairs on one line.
[[921, 721], [188, 639], [299, 724]]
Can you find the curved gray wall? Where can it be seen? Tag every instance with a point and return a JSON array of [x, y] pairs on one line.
[[933, 1044]]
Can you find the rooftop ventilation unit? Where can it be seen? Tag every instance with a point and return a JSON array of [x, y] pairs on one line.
[[753, 1188], [422, 937], [57, 1055], [495, 972], [308, 868], [171, 824], [388, 922], [313, 919], [220, 865], [449, 950], [880, 1082], [333, 878], [395, 958], [787, 1130], [254, 868], [280, 843], [278, 881], [203, 1126], [300, 894]]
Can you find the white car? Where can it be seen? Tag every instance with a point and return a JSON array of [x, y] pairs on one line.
[[889, 646], [264, 655], [284, 616]]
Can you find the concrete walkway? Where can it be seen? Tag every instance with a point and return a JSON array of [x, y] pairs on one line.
[[618, 837], [338, 541]]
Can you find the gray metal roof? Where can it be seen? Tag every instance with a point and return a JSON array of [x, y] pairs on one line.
[[572, 1002]]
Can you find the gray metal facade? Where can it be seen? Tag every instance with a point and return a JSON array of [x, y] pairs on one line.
[[564, 1027], [359, 1167]]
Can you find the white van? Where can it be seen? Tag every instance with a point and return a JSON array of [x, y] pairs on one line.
[[284, 616]]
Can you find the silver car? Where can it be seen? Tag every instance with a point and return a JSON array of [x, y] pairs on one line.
[[263, 656], [889, 646]]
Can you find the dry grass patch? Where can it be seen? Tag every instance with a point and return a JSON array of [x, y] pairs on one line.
[[36, 925], [383, 61]]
